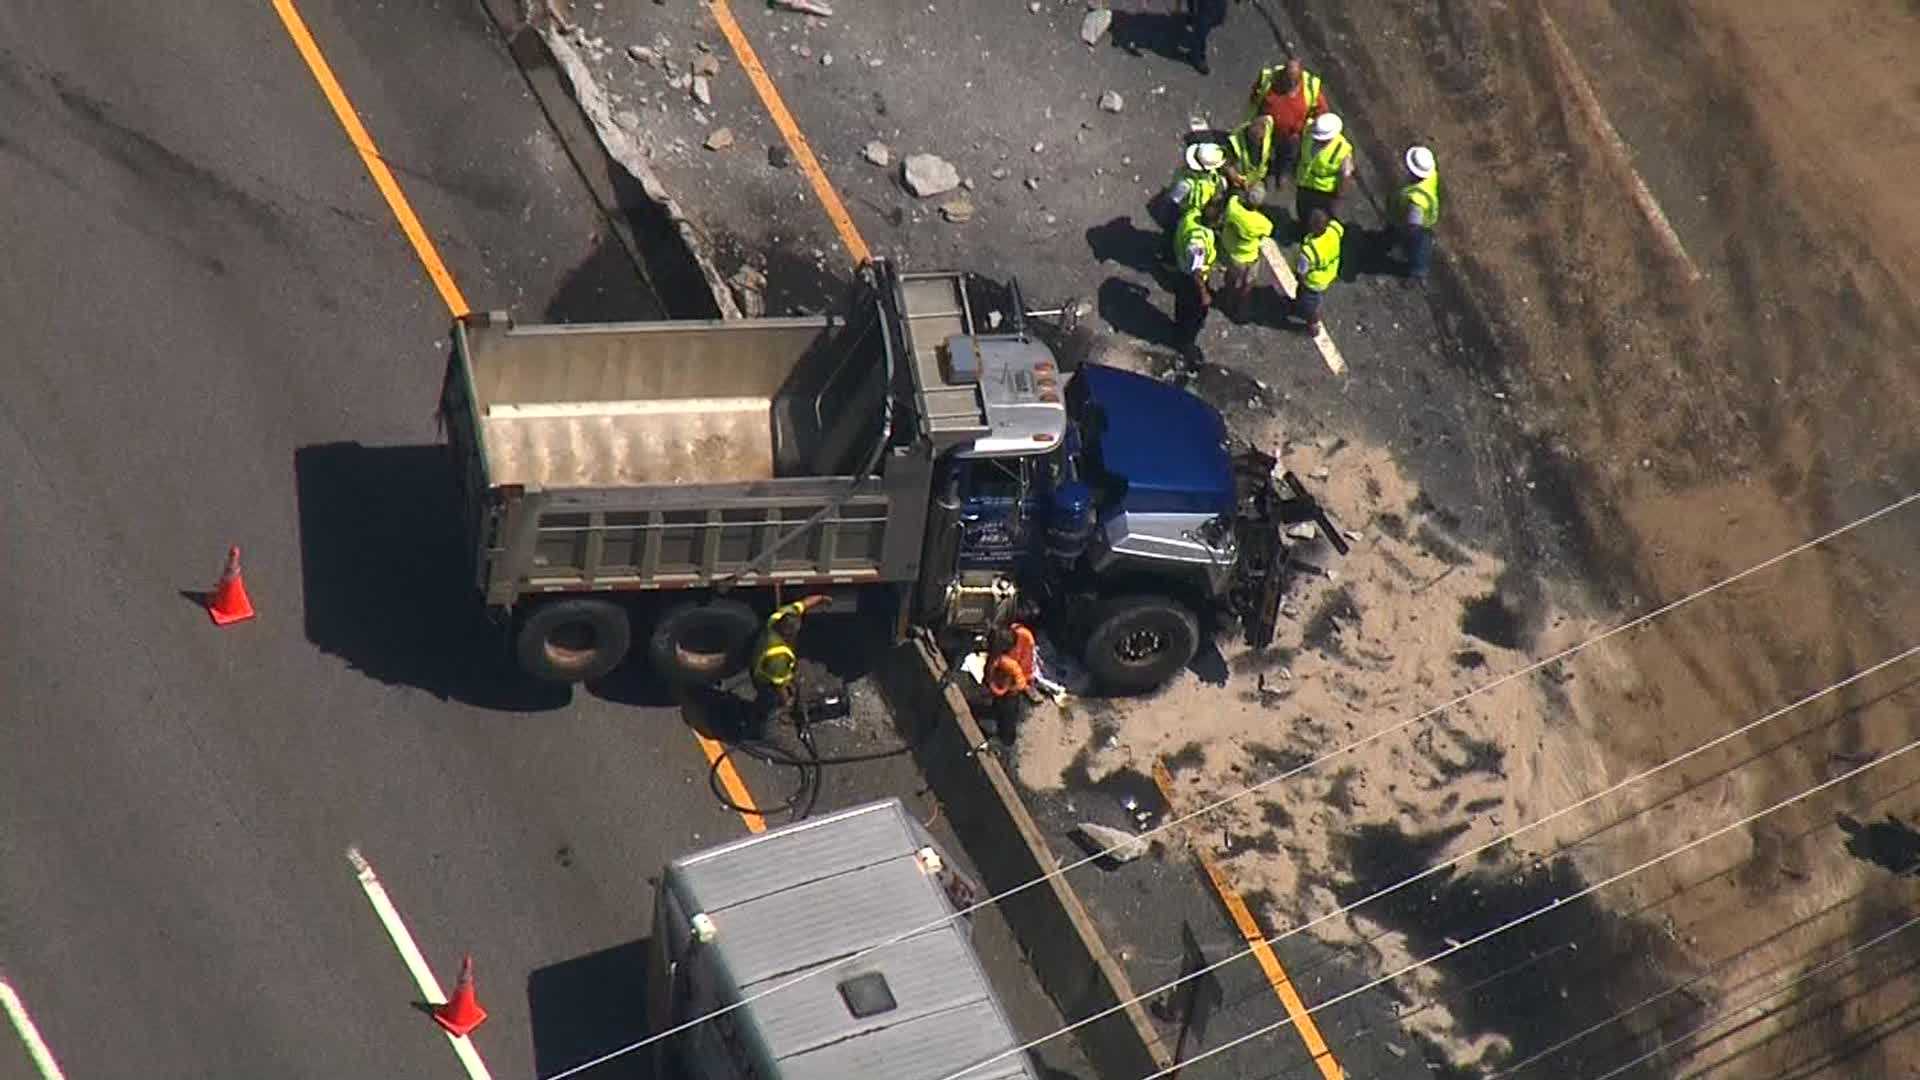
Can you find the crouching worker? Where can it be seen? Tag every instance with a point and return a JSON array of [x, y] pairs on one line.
[[774, 658], [1010, 671]]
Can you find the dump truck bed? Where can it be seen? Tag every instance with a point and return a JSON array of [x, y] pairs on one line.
[[628, 404]]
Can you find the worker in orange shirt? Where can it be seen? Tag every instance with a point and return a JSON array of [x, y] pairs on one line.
[[1293, 97], [1010, 671]]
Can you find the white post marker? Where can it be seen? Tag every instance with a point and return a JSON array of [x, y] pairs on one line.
[[1283, 274], [423, 976], [29, 1034]]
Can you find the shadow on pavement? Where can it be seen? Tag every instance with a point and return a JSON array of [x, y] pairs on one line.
[[1161, 33], [1128, 307], [386, 576], [1120, 240], [591, 1005]]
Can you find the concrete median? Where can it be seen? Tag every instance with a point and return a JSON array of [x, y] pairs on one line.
[[1006, 845]]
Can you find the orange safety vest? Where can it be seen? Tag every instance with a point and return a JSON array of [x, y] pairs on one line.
[[1012, 671]]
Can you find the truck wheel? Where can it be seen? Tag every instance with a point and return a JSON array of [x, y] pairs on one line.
[[1137, 643], [701, 643], [573, 640]]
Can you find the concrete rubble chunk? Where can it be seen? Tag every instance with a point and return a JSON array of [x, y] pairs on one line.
[[1303, 531], [706, 64], [1111, 101], [805, 7], [877, 153], [1093, 26], [749, 287], [720, 139], [702, 90], [998, 172], [643, 54], [627, 119], [927, 175], [957, 211], [681, 82], [1033, 183], [1118, 844]]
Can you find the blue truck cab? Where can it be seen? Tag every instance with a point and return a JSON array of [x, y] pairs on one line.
[[1104, 503]]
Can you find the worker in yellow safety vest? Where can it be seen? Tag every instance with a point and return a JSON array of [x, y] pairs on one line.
[[1319, 266], [1197, 247], [1195, 185], [1417, 210], [1242, 230], [774, 660], [1250, 156], [1326, 163]]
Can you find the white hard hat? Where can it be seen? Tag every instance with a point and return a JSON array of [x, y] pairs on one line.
[[1206, 156], [1326, 126], [1420, 162]]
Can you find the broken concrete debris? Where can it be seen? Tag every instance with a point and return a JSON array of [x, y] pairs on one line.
[[706, 64], [1116, 844], [720, 139], [702, 90], [643, 54], [958, 211], [1111, 102], [749, 286], [927, 175], [804, 7], [1094, 25], [877, 153]]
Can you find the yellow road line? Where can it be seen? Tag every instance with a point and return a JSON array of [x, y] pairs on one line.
[[1256, 938], [429, 257], [735, 787], [782, 119], [423, 248]]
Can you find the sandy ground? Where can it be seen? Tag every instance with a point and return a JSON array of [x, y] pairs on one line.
[[1712, 426]]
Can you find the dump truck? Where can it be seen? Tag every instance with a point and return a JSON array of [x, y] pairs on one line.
[[866, 889], [661, 486]]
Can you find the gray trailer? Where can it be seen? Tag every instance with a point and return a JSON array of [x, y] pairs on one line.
[[669, 483], [737, 920]]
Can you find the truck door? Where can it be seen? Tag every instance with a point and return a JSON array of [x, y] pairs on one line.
[[995, 512]]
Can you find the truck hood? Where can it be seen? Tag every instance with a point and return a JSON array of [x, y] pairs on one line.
[[1168, 446]]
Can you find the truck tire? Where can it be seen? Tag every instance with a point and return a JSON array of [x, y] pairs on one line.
[[573, 640], [699, 644], [1136, 643]]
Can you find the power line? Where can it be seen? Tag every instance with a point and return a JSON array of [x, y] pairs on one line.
[[1067, 867], [1455, 860], [1717, 967], [1722, 1014], [1537, 912]]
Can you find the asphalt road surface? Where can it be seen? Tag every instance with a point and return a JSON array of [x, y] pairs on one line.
[[216, 334]]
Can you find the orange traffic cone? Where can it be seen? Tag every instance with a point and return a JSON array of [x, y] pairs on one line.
[[463, 1013], [228, 602]]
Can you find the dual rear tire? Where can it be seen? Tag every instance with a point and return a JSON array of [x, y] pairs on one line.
[[582, 638]]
